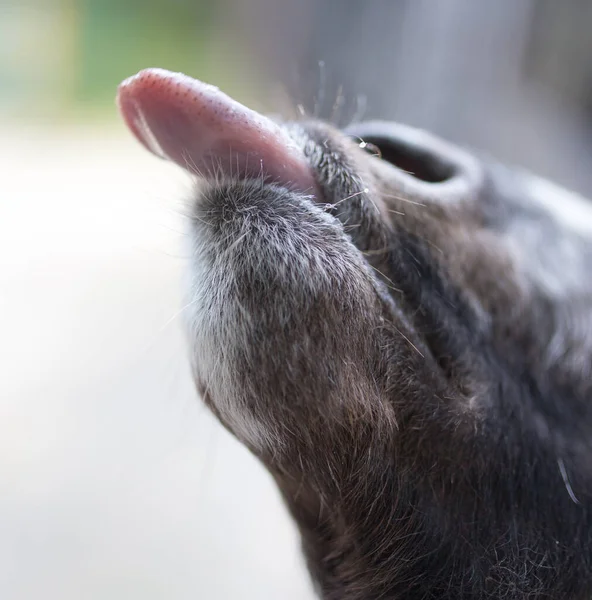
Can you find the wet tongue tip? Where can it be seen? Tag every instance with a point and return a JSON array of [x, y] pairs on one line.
[[206, 132]]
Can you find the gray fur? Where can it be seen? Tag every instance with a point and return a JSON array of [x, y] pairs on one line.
[[411, 361]]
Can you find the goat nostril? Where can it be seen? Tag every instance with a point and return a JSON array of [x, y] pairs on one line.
[[424, 158], [418, 162]]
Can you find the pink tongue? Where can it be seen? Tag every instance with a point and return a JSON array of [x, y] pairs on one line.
[[206, 132]]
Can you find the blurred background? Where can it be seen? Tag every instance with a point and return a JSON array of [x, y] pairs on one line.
[[114, 481]]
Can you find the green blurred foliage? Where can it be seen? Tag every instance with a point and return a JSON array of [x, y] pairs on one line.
[[119, 38], [63, 59]]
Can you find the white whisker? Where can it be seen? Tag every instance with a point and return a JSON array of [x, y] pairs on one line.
[[364, 191], [565, 478], [402, 199]]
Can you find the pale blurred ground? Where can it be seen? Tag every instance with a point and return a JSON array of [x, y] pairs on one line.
[[115, 482]]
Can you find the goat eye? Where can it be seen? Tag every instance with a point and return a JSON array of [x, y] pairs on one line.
[[371, 149]]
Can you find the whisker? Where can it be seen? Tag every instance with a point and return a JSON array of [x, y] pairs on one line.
[[230, 161], [395, 212], [402, 199], [565, 478], [235, 243], [409, 342], [348, 227], [167, 324], [433, 246], [364, 191], [197, 218], [177, 315], [392, 286], [190, 163], [377, 251], [361, 106], [320, 99], [337, 105], [372, 202]]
